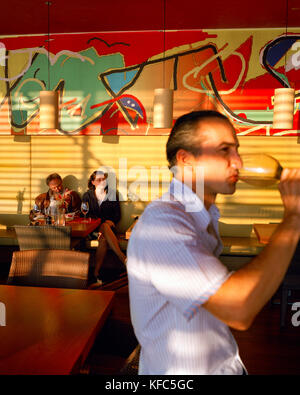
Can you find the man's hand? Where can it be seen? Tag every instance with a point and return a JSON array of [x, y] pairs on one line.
[[289, 188], [248, 289], [67, 192]]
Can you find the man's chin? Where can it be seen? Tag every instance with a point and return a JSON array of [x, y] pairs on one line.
[[229, 190]]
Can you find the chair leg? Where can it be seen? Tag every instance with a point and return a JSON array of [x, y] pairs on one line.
[[283, 306]]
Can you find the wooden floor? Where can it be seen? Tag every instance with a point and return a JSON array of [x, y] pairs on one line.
[[268, 350], [264, 348]]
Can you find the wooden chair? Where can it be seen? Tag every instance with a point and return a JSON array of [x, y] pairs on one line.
[[49, 268], [131, 364], [43, 237], [114, 285]]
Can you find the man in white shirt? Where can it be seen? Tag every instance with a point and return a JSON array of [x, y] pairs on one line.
[[182, 298]]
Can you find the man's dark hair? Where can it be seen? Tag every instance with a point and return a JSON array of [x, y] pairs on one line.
[[183, 134], [53, 176]]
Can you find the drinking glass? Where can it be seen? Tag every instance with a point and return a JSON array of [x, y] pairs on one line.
[[36, 209], [47, 215], [38, 217], [260, 170], [54, 215], [61, 219], [84, 209]]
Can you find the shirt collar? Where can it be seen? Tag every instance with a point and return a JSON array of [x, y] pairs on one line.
[[193, 204]]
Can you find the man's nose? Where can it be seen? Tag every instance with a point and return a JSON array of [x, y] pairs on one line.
[[236, 161]]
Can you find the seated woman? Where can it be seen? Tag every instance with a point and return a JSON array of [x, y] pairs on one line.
[[104, 204]]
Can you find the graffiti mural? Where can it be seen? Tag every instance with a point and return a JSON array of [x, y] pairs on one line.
[[106, 80]]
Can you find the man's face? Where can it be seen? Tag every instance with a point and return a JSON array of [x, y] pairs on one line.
[[219, 158], [56, 185]]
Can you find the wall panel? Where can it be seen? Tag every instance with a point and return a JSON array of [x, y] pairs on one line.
[[25, 165]]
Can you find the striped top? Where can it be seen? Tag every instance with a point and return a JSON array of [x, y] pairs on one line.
[[173, 268]]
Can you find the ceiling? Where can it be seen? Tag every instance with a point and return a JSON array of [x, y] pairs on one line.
[[71, 16]]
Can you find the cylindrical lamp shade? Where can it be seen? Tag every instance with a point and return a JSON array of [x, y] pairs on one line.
[[49, 109], [283, 114], [163, 108]]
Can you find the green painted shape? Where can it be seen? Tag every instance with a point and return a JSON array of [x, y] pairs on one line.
[[257, 115], [81, 82]]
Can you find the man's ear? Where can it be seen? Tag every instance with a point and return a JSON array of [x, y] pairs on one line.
[[184, 158]]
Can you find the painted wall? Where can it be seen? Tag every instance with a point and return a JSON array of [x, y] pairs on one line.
[[106, 80]]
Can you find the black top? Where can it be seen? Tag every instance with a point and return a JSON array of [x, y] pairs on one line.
[[109, 208]]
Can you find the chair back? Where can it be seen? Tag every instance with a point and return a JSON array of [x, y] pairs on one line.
[[49, 268], [131, 365], [43, 237]]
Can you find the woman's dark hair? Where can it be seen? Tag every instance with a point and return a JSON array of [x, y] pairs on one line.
[[53, 176], [183, 134], [92, 177]]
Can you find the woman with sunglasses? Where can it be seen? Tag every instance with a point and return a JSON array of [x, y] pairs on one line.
[[103, 203]]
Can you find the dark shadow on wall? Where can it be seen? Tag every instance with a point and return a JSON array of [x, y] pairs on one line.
[[71, 182], [20, 200]]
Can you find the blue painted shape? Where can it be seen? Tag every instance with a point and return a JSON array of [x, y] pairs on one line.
[[117, 81], [129, 102], [276, 52]]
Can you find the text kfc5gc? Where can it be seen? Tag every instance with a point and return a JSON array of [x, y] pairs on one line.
[[171, 384]]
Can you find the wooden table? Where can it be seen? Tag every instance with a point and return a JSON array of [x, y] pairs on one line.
[[232, 245], [82, 228], [49, 330], [241, 245], [264, 232], [129, 230]]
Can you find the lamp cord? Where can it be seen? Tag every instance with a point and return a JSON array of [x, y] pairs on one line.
[[164, 39], [286, 34], [48, 3]]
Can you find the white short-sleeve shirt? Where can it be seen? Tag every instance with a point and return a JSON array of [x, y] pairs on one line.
[[173, 268]]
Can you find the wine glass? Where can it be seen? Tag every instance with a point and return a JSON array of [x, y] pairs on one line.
[[54, 214], [47, 215], [260, 170], [36, 210], [84, 209], [36, 218]]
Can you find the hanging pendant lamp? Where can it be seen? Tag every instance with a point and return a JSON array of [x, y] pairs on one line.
[[163, 108], [163, 97], [49, 111], [284, 99], [283, 114]]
